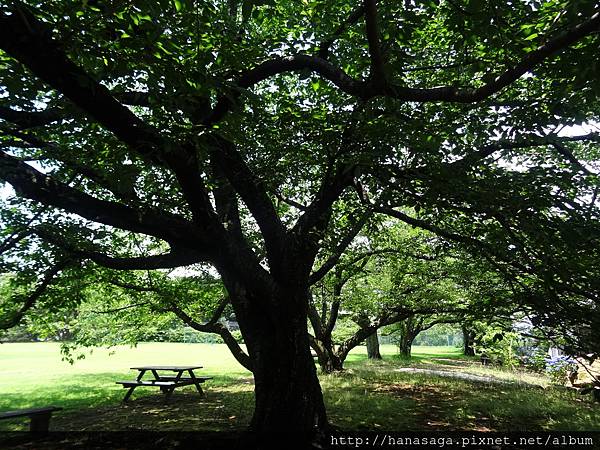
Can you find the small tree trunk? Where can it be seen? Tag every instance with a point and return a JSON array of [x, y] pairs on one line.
[[405, 345], [329, 360], [468, 341], [373, 346]]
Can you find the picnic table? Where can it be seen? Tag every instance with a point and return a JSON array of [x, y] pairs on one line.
[[166, 383]]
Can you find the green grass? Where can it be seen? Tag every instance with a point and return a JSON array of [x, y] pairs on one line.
[[368, 395]]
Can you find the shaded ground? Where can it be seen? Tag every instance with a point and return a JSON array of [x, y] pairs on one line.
[[219, 410]]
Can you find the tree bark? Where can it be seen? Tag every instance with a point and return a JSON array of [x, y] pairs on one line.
[[373, 346], [287, 390], [405, 344], [468, 342], [288, 395], [330, 361]]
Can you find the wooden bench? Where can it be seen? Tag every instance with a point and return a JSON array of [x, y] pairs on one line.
[[40, 417], [167, 384]]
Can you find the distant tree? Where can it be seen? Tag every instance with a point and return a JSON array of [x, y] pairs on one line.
[[468, 340], [404, 332], [400, 278]]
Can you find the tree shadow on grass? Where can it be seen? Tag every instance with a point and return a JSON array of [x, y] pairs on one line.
[[94, 402], [218, 410]]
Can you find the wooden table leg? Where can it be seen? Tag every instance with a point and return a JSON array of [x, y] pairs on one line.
[[129, 392], [196, 383], [40, 423], [168, 393]]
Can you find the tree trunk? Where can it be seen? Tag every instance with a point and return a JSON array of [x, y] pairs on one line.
[[373, 346], [330, 362], [287, 390], [405, 345], [468, 341], [288, 395]]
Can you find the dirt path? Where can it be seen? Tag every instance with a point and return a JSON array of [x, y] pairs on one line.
[[461, 375]]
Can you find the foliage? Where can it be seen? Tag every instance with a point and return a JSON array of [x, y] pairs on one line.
[[559, 367], [501, 347], [537, 360], [17, 334], [344, 329], [238, 336], [254, 138]]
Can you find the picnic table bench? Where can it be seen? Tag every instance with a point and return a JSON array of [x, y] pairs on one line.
[[166, 383], [40, 417]]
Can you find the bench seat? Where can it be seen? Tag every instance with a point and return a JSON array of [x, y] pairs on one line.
[[40, 417], [199, 379], [146, 383], [166, 384], [165, 381]]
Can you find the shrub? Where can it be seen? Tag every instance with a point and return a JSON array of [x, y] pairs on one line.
[[559, 367], [537, 361]]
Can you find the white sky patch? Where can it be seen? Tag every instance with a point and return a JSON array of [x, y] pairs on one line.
[[579, 130]]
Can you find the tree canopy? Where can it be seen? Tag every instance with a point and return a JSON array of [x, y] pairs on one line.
[[260, 136]]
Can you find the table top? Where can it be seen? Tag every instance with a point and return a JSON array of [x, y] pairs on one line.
[[173, 368]]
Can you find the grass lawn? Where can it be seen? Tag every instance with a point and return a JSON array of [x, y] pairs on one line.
[[368, 395]]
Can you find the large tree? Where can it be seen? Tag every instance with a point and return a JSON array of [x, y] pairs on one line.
[[254, 135]]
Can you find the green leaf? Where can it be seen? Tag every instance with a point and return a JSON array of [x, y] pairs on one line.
[[316, 85]]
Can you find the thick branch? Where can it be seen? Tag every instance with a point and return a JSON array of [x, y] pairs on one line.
[[219, 329], [333, 315], [340, 249], [317, 214], [11, 241], [29, 41], [178, 257], [372, 30], [315, 319], [252, 192], [120, 189], [28, 119], [564, 151], [37, 186], [366, 90], [226, 203]]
